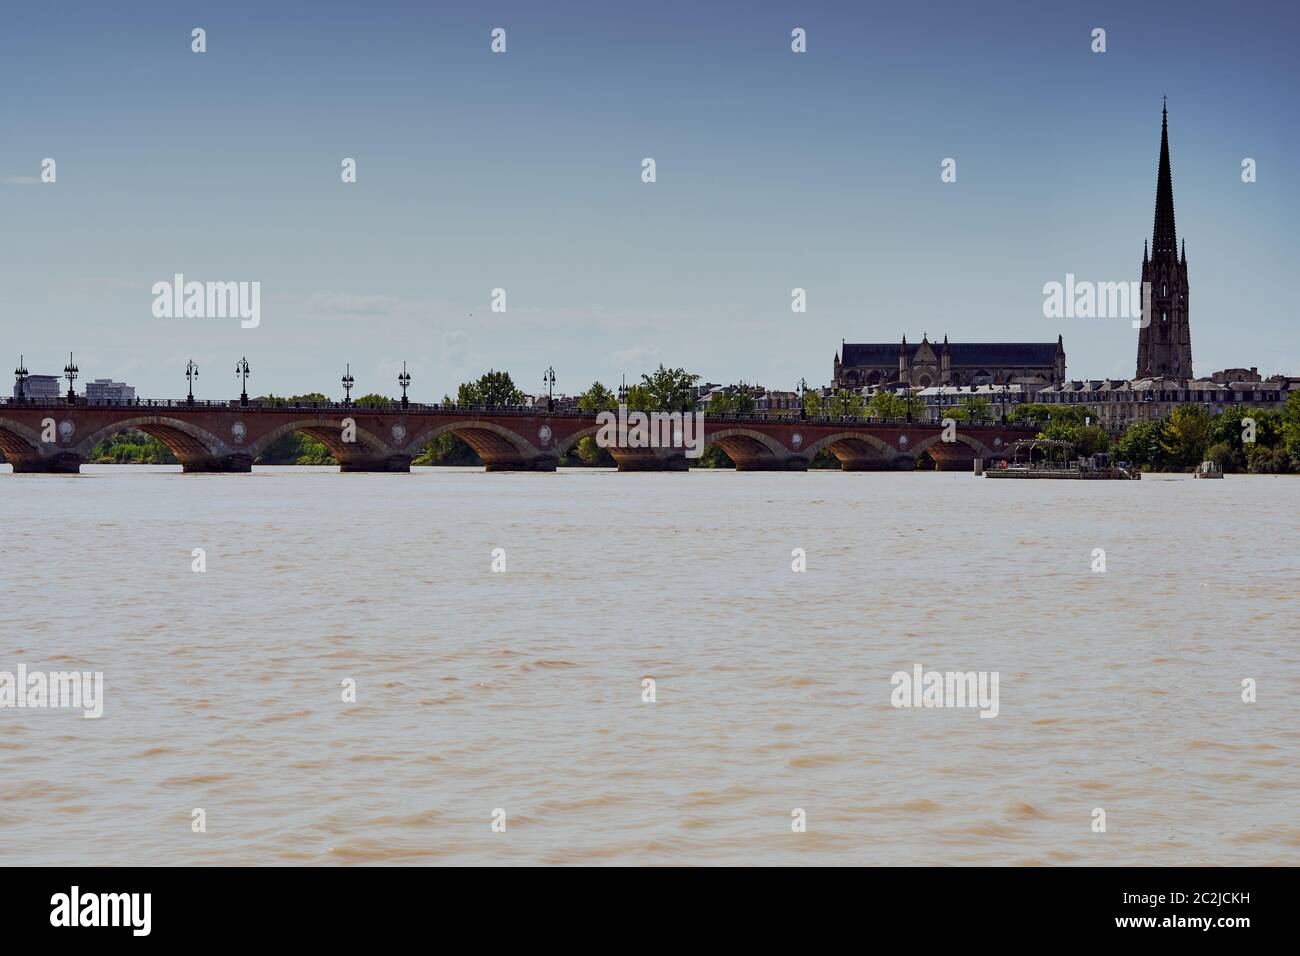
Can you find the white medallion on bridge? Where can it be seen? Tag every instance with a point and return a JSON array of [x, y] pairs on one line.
[[239, 430], [997, 443], [796, 439], [66, 428], [544, 433], [902, 441], [399, 433]]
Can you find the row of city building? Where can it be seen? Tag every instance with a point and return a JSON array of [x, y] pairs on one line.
[[49, 387], [1005, 374]]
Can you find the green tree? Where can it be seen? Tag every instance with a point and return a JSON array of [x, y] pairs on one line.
[[977, 408], [1262, 460], [598, 399], [374, 400], [1089, 439], [131, 448], [1290, 418], [736, 399], [1142, 444], [493, 389], [1227, 432], [846, 404], [668, 390], [592, 455], [1222, 455], [1186, 436], [886, 404], [974, 408], [276, 401]]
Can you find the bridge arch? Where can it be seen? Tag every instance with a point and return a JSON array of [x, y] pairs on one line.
[[500, 448], [329, 432], [954, 455], [21, 445], [748, 448], [565, 445], [856, 450], [962, 437], [193, 446]]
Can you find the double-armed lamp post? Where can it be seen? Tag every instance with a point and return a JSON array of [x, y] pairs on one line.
[[404, 380], [70, 372], [20, 374], [191, 373], [241, 369], [347, 385], [548, 379], [803, 390]]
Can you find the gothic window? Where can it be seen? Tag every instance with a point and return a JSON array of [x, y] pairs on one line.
[[1164, 289]]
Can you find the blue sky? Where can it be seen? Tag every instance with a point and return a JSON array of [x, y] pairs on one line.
[[522, 171]]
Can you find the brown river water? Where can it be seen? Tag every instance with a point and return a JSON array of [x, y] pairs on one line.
[[522, 690]]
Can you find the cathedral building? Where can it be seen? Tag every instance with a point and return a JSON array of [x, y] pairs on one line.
[[1165, 344], [943, 363]]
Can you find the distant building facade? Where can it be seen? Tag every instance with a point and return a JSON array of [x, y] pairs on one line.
[[107, 390], [775, 401], [1120, 403], [859, 365], [1001, 399], [40, 387]]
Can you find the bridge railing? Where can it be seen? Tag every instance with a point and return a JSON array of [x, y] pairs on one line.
[[439, 408]]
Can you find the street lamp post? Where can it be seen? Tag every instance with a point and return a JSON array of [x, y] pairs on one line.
[[548, 379], [622, 391], [803, 390], [191, 373], [347, 385], [241, 369], [20, 373], [404, 380], [70, 372]]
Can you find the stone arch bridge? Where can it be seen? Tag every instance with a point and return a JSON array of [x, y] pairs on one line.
[[55, 436]]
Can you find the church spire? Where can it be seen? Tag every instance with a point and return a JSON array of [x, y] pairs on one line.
[[1165, 339], [1164, 240]]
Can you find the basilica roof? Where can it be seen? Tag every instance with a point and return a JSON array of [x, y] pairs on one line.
[[960, 353]]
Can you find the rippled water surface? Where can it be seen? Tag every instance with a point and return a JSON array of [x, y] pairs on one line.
[[522, 690]]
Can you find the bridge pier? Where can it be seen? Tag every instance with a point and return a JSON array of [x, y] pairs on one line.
[[793, 463], [61, 463], [539, 463], [228, 464], [650, 459], [392, 463], [897, 463], [954, 464]]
